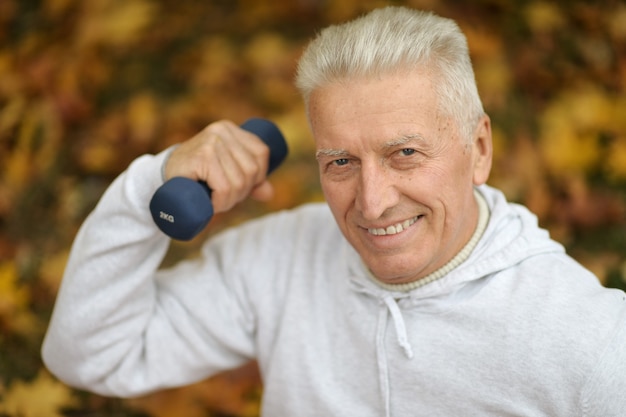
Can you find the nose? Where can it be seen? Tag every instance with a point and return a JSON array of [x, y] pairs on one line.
[[377, 191]]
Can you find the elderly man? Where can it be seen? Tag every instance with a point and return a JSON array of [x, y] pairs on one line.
[[427, 295]]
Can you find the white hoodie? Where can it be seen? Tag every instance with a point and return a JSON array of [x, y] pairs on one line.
[[518, 329]]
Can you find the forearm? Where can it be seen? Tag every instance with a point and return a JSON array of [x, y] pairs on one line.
[[108, 293]]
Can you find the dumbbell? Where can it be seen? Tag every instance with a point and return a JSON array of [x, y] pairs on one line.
[[182, 207]]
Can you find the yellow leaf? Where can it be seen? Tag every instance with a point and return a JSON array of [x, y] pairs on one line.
[[617, 22], [12, 296], [493, 77], [143, 117], [14, 302], [37, 144], [567, 151], [268, 52], [218, 61], [588, 108], [295, 127], [114, 22], [543, 16], [616, 159], [617, 122], [571, 128], [50, 126], [98, 157], [43, 397], [482, 43], [12, 112], [55, 8], [19, 169], [51, 272]]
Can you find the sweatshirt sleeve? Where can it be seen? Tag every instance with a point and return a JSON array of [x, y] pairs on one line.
[[116, 328]]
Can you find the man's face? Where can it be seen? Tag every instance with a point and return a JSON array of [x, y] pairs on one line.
[[396, 174]]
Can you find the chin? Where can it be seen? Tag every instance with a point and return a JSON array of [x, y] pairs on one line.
[[391, 275]]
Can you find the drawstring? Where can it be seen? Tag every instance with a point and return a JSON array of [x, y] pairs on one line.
[[381, 351], [381, 356], [388, 306], [396, 315], [398, 322]]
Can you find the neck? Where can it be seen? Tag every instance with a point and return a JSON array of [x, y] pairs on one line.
[[458, 259]]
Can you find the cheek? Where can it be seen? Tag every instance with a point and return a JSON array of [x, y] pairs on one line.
[[339, 197], [335, 193], [453, 173]]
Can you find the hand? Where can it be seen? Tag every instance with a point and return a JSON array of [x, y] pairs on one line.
[[232, 161]]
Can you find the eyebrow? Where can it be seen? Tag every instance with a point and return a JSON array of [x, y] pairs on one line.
[[403, 140], [394, 143], [331, 153]]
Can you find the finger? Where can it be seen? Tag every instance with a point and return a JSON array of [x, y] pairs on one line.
[[192, 158], [241, 171], [223, 174], [252, 153], [230, 180], [243, 161], [263, 192]]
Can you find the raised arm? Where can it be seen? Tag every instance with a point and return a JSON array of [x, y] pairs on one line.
[[115, 329]]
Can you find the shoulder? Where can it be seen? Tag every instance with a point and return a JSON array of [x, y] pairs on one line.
[[307, 217], [556, 284], [284, 231]]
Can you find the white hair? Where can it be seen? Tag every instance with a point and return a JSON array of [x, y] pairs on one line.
[[396, 39]]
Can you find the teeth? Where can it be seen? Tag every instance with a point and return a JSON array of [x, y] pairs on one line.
[[394, 229]]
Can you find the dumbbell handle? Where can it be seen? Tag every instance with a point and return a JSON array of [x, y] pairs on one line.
[[182, 207]]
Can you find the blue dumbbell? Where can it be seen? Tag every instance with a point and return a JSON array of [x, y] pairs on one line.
[[182, 207]]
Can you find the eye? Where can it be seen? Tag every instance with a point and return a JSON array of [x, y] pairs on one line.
[[341, 161], [406, 158]]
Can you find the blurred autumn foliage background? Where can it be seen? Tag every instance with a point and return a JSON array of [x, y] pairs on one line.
[[87, 86]]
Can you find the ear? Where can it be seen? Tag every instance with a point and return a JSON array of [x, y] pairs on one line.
[[482, 150]]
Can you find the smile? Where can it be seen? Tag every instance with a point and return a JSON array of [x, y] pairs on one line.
[[393, 229]]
